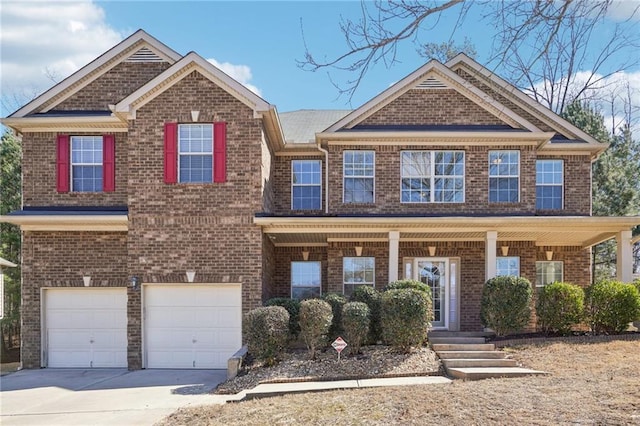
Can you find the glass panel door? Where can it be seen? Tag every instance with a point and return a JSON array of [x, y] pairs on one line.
[[433, 272]]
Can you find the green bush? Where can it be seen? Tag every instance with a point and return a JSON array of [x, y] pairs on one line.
[[611, 306], [293, 307], [355, 321], [337, 301], [266, 330], [370, 296], [412, 284], [315, 321], [559, 306], [505, 305], [406, 316]]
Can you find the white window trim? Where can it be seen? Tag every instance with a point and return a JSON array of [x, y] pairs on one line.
[[540, 262], [373, 177], [561, 185], [504, 176], [433, 177], [319, 286], [306, 184], [372, 283], [508, 257], [72, 164], [180, 153]]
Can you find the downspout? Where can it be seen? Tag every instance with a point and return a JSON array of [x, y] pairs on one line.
[[326, 177]]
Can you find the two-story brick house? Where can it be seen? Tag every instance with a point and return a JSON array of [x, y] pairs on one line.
[[162, 199]]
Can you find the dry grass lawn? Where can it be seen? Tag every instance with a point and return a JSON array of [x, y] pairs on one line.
[[591, 384]]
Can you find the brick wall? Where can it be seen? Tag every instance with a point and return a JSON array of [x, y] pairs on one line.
[[61, 259]]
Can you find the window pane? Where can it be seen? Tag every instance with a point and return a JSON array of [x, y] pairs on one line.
[[305, 280], [195, 145], [306, 185], [86, 163], [549, 184], [508, 266], [548, 272]]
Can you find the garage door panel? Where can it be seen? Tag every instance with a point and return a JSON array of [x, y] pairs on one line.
[[69, 359]]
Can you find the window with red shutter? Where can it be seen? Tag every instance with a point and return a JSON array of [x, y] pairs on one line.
[[62, 163], [109, 163], [170, 152], [220, 151]]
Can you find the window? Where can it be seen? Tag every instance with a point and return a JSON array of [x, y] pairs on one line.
[[508, 266], [359, 171], [548, 272], [504, 176], [432, 176], [306, 184], [549, 182], [357, 271], [305, 280], [195, 159], [86, 163]]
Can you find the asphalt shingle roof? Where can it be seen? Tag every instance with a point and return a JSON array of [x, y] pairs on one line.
[[301, 126]]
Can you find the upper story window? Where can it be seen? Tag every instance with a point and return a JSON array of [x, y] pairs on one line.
[[358, 271], [195, 153], [508, 266], [86, 163], [549, 184], [306, 185], [504, 176], [358, 176], [549, 272], [432, 176]]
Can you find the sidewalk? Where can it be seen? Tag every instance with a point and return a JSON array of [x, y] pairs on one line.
[[273, 389]]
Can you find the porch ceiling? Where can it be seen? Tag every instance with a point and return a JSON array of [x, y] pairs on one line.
[[544, 231]]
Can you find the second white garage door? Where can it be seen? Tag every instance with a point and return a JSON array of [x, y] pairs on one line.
[[192, 326]]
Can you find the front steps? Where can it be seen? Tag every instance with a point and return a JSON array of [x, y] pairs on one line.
[[469, 357]]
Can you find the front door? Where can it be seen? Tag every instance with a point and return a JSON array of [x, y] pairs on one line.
[[433, 272]]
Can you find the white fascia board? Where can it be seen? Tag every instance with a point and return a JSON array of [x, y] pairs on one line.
[[116, 223], [370, 137], [61, 124], [178, 71], [539, 110], [101, 60]]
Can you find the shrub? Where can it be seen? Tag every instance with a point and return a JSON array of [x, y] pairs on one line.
[[370, 296], [559, 306], [355, 321], [611, 305], [293, 307], [505, 305], [336, 301], [412, 284], [315, 320], [266, 330], [406, 316]]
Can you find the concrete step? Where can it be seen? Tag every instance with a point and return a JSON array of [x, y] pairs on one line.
[[456, 340], [471, 363], [443, 333], [463, 347], [477, 373], [471, 354]]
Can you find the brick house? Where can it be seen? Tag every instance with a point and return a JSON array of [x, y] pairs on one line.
[[162, 199]]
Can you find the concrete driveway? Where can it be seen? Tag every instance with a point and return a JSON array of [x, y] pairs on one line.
[[102, 397]]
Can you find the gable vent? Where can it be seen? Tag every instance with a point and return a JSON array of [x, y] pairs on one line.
[[144, 55], [431, 83]]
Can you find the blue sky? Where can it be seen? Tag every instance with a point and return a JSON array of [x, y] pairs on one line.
[[258, 43]]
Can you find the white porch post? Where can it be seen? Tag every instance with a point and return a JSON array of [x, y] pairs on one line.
[[490, 254], [624, 255], [394, 248]]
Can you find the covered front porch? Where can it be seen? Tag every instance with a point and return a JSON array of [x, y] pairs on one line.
[[453, 255]]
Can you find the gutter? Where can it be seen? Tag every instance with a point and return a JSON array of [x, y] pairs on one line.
[[326, 177]]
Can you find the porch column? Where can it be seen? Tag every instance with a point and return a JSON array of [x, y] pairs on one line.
[[490, 254], [624, 255], [394, 248]]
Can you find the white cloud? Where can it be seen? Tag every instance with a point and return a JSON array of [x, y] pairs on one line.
[[240, 73], [621, 10], [43, 41]]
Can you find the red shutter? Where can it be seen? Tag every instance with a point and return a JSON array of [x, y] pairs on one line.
[[170, 152], [62, 161], [220, 152], [108, 163]]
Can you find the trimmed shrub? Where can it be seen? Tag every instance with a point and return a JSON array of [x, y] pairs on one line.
[[370, 296], [266, 330], [611, 306], [293, 307], [412, 284], [315, 321], [337, 301], [355, 321], [406, 316], [506, 304], [559, 306]]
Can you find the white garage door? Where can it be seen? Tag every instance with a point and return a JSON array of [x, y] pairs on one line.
[[191, 326], [85, 327]]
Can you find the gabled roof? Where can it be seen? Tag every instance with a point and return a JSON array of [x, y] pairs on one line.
[[524, 101], [433, 71], [138, 41]]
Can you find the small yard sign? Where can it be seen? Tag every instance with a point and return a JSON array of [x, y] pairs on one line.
[[339, 344]]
